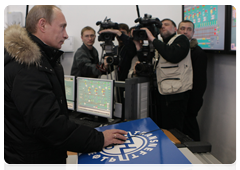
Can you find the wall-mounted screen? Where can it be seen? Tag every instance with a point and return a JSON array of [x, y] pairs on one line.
[[233, 29], [209, 22]]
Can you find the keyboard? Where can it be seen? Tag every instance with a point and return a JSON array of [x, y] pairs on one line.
[[89, 123], [95, 124]]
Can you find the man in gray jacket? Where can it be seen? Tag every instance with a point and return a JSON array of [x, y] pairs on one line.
[[86, 61]]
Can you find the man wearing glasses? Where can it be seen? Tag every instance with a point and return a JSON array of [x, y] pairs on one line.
[[86, 61]]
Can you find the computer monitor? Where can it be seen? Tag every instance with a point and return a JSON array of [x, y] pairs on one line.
[[95, 96], [209, 21], [233, 29], [70, 91]]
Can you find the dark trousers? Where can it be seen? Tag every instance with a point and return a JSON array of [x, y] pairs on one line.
[[172, 110], [191, 127]]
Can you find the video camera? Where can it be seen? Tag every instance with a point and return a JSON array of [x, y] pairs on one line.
[[108, 45], [106, 24], [151, 23], [145, 67]]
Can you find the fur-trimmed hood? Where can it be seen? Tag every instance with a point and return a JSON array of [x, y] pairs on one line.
[[193, 43], [20, 46]]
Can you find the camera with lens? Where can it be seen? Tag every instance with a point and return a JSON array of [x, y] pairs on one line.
[[145, 67], [153, 24], [113, 60], [106, 24], [107, 38]]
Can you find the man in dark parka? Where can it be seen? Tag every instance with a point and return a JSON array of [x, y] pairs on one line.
[[37, 129]]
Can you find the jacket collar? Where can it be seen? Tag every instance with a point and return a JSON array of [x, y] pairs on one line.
[[20, 47], [168, 38], [193, 43], [85, 47], [52, 54], [26, 48]]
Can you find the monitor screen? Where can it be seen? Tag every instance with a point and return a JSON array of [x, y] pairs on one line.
[[95, 96], [233, 29], [209, 21], [70, 91]]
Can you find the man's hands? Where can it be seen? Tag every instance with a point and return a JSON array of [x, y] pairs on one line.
[[114, 136], [139, 43], [134, 71], [105, 63], [115, 31], [149, 34]]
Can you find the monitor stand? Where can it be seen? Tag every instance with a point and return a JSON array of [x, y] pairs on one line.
[[99, 119], [102, 119]]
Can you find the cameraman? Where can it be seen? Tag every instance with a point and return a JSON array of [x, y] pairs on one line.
[[86, 61], [126, 49], [174, 75]]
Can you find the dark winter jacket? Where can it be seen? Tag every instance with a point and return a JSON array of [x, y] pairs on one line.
[[36, 124], [84, 64], [126, 52], [199, 63]]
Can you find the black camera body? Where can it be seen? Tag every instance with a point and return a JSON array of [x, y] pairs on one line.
[[107, 38], [106, 24], [113, 60], [151, 23], [145, 67]]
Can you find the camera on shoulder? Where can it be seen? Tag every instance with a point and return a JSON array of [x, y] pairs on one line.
[[145, 67], [153, 24], [106, 24], [108, 39]]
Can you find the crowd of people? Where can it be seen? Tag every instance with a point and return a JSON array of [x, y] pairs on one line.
[[36, 123]]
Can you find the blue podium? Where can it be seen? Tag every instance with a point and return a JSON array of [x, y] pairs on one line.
[[146, 144]]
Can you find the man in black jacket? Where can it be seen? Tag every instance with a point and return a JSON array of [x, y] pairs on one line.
[[86, 61], [174, 75], [126, 50], [37, 129], [199, 63]]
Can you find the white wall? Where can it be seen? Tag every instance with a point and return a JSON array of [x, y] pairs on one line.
[[79, 16], [217, 117]]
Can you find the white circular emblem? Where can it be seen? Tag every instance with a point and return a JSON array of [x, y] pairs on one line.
[[138, 144], [132, 145]]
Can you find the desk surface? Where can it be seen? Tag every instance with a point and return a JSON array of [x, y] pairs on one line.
[[71, 153], [171, 136], [72, 159], [190, 156], [194, 158]]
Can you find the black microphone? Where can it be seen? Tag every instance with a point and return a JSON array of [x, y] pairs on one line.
[[137, 11]]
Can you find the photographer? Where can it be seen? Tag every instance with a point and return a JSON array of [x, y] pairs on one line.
[[126, 49], [86, 61], [174, 75]]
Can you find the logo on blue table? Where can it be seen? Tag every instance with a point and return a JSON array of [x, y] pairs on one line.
[[134, 147]]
